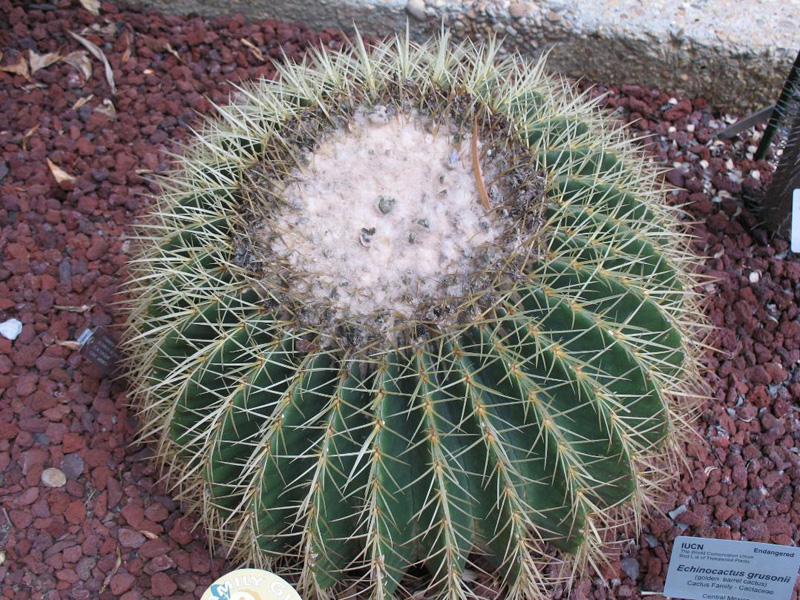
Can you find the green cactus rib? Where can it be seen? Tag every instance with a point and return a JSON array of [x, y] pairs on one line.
[[521, 435]]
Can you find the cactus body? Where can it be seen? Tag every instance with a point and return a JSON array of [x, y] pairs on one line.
[[535, 418]]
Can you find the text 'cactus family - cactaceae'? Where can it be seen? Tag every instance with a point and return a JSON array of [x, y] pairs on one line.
[[406, 307]]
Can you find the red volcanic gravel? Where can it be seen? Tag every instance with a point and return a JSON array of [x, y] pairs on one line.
[[112, 529]]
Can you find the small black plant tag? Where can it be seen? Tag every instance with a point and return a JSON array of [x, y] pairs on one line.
[[99, 347]]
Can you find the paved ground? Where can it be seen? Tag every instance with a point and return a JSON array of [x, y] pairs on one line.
[[734, 52]]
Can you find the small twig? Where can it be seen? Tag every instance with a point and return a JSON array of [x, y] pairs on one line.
[[72, 345], [476, 166], [254, 49], [76, 309]]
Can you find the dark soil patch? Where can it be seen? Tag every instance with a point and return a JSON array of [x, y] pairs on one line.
[[112, 526]]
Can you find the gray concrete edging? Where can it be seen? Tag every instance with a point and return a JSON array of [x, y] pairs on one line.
[[736, 53]]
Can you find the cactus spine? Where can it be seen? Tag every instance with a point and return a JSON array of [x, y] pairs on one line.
[[525, 419]]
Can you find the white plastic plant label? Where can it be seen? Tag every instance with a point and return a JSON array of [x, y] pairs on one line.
[[796, 220], [709, 569]]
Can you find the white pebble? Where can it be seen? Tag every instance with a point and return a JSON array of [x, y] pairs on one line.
[[754, 277], [704, 164], [752, 149], [11, 329], [755, 174], [690, 128], [53, 477], [416, 8], [674, 514]]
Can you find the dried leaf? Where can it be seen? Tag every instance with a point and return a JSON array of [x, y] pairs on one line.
[[255, 49], [80, 60], [112, 572], [93, 6], [61, 176], [174, 53], [99, 55], [126, 56], [149, 534], [101, 30], [27, 135], [107, 109], [82, 101], [18, 68], [42, 61]]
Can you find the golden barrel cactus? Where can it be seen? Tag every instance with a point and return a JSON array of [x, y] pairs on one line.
[[406, 307]]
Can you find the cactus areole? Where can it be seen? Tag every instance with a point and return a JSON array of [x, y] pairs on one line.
[[416, 306]]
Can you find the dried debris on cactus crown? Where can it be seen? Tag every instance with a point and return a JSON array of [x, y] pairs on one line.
[[475, 352]]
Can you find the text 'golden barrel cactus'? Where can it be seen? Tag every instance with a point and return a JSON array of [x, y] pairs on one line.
[[407, 307]]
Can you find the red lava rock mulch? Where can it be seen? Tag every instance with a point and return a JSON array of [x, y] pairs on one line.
[[112, 530]]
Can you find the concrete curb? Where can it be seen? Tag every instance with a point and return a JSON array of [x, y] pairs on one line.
[[735, 53]]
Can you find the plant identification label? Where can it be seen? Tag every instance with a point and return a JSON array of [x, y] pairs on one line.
[[250, 584], [796, 220], [709, 569], [99, 347]]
